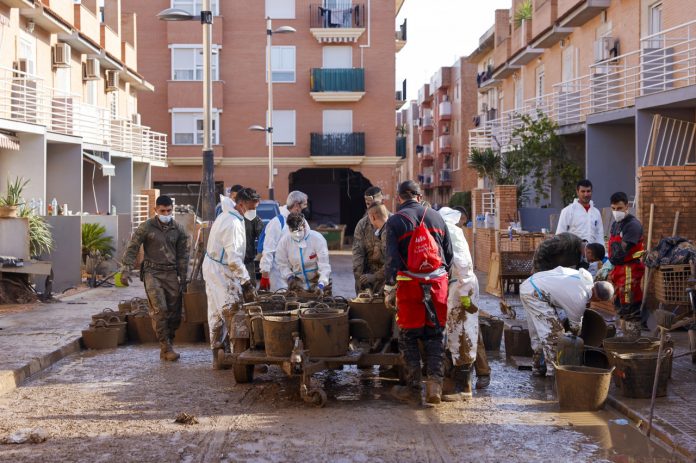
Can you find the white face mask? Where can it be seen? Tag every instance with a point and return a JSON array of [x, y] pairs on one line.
[[250, 214], [618, 215], [297, 235], [165, 218]]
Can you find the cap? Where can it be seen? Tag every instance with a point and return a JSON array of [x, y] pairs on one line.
[[409, 186]]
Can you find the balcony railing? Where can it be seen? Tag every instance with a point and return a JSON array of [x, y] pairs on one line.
[[427, 122], [338, 80], [445, 176], [401, 147], [445, 142], [445, 110], [343, 15], [25, 98], [337, 144]]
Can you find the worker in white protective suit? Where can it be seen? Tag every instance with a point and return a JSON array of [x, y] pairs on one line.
[[581, 218], [303, 257], [548, 299], [275, 229], [227, 281], [462, 304]]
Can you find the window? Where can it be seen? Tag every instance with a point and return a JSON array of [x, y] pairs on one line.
[[337, 57], [568, 63], [187, 62], [539, 81], [187, 127], [194, 6], [91, 88], [283, 64], [519, 93], [62, 81], [113, 104], [27, 51], [338, 121], [280, 9], [283, 127], [655, 25]]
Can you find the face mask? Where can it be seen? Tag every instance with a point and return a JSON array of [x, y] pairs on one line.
[[297, 235], [165, 218], [618, 215], [250, 214], [305, 212]]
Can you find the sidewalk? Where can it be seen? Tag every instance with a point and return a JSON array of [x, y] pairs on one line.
[[33, 337]]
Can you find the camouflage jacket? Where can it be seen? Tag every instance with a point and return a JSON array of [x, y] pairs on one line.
[[165, 246], [368, 249]]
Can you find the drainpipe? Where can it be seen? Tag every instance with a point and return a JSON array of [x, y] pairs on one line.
[[369, 34]]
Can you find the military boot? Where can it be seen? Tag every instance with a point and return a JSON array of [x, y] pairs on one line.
[[167, 352], [462, 390], [409, 394], [433, 391]]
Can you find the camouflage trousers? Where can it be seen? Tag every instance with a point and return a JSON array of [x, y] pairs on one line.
[[164, 297]]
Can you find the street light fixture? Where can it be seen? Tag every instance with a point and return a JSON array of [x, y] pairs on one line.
[[208, 179], [269, 116]]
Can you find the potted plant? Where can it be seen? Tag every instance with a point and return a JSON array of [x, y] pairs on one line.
[[40, 236], [9, 204]]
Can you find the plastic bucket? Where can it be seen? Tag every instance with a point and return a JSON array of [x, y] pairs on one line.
[[189, 333], [140, 324], [278, 330], [100, 336], [632, 344], [114, 322], [582, 388], [635, 374], [195, 303], [375, 313], [491, 332], [517, 342], [325, 333]]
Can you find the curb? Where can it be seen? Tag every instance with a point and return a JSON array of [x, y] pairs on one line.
[[658, 432], [11, 379]]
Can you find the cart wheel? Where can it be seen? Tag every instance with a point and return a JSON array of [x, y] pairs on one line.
[[317, 397], [242, 373]]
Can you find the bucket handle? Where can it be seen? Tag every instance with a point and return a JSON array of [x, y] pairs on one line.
[[555, 367], [113, 319], [251, 321], [101, 323], [519, 328], [361, 322]]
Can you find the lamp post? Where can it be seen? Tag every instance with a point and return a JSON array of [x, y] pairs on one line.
[[208, 177], [269, 116]]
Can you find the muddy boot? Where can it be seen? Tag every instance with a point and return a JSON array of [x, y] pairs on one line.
[[409, 394], [692, 343], [461, 377], [433, 391], [167, 352], [483, 381], [216, 361], [538, 364]]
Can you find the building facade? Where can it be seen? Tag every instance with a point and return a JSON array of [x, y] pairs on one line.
[[333, 119]]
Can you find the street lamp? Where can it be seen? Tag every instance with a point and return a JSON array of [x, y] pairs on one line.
[[208, 178], [269, 116]]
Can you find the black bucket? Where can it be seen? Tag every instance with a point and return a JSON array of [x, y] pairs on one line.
[[596, 358], [635, 374], [491, 332]]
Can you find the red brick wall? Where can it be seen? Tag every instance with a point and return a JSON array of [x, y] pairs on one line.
[[506, 205], [485, 246], [670, 189]]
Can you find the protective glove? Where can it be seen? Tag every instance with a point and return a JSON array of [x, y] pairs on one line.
[[265, 284], [248, 291], [126, 278], [367, 279], [390, 297], [294, 283]]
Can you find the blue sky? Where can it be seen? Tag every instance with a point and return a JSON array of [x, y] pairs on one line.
[[439, 31]]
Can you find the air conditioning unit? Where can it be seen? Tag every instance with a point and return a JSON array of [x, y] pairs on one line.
[[21, 66], [111, 80], [135, 118], [605, 48], [90, 69], [61, 55]]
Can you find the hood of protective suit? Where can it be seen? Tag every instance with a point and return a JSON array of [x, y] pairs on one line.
[[226, 203], [450, 215]]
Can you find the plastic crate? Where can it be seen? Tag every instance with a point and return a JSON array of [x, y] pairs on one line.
[[671, 283]]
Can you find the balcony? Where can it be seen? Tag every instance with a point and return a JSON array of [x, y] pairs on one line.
[[445, 143], [521, 36], [337, 85], [427, 122], [331, 25], [401, 147], [445, 177], [110, 41], [337, 144], [501, 54], [440, 80], [424, 95], [426, 152], [444, 112], [400, 36], [575, 13]]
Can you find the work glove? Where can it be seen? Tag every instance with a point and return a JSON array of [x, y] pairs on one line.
[[319, 290], [248, 291], [126, 275], [294, 283], [265, 284], [367, 279], [390, 297]]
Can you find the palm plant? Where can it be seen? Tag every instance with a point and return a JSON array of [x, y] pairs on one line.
[[523, 12], [94, 239], [486, 163], [40, 235]]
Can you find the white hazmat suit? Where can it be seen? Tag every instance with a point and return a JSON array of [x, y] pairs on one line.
[[462, 326], [585, 224], [307, 259], [224, 272], [274, 231]]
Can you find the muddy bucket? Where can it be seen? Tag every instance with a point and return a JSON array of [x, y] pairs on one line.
[[107, 314], [517, 342], [189, 333], [114, 322], [101, 336], [195, 302], [278, 330], [491, 332], [140, 324], [632, 344], [595, 358], [635, 374], [376, 315], [326, 333], [582, 388]]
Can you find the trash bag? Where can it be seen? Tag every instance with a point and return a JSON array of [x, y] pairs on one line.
[[674, 250], [564, 249]]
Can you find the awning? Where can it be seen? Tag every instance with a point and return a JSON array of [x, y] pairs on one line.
[[9, 142], [106, 167]]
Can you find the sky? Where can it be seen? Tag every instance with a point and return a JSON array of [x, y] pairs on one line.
[[439, 32]]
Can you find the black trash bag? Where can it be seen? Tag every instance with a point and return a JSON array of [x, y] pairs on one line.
[[564, 249], [673, 250]]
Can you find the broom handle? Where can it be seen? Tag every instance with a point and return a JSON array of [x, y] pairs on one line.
[[657, 377], [648, 274]]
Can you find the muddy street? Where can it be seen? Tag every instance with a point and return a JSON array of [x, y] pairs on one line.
[[120, 405]]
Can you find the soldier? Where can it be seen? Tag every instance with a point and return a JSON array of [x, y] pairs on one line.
[[368, 259], [378, 215], [163, 271]]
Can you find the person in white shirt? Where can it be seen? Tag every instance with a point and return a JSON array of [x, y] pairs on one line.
[[551, 296], [581, 218], [302, 257], [275, 229], [227, 281]]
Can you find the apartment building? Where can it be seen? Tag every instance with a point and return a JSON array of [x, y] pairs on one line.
[[441, 119], [333, 118], [69, 122], [617, 77]]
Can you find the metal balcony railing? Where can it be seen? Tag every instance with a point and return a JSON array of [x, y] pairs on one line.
[[445, 142], [337, 80], [337, 144], [26, 98], [446, 175], [445, 110], [337, 14]]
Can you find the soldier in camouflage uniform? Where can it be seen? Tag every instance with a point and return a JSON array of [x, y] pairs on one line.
[[163, 271], [368, 259]]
